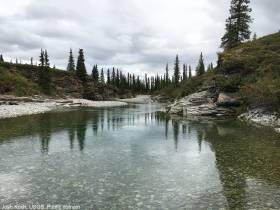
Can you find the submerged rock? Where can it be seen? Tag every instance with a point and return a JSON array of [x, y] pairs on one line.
[[199, 104], [262, 117]]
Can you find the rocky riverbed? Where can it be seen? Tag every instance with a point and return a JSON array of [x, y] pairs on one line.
[[262, 117]]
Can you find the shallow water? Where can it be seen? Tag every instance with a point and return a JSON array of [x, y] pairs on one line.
[[133, 158]]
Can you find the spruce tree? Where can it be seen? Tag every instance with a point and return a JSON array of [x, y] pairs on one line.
[[81, 71], [113, 77], [177, 71], [41, 59], [45, 74], [133, 82], [71, 62], [237, 25], [149, 84], [185, 72], [167, 74], [190, 72], [118, 78], [1, 58], [95, 73], [146, 83], [102, 79], [47, 61], [108, 77], [128, 81], [200, 69]]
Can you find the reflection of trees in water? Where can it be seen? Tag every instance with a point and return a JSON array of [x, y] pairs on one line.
[[199, 139], [45, 132], [166, 127], [102, 116], [95, 122], [235, 158], [71, 133], [227, 162], [81, 130], [231, 177], [162, 118], [231, 153], [184, 129], [176, 130]]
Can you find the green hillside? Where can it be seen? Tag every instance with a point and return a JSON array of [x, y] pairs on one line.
[[251, 69], [254, 69], [24, 80]]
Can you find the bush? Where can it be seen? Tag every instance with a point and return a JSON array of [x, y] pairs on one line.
[[230, 83], [265, 92]]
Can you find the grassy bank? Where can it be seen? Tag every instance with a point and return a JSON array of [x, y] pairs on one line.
[[24, 80]]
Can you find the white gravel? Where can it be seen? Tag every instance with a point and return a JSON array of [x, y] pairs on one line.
[[30, 108], [87, 103], [140, 99], [10, 111]]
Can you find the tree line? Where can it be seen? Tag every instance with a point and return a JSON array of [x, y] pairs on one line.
[[130, 81], [115, 77]]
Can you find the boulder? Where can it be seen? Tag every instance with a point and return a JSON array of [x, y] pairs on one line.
[[198, 104], [12, 103], [229, 99]]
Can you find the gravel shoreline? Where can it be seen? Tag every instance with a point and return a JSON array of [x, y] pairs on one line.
[[140, 99], [30, 108], [12, 106]]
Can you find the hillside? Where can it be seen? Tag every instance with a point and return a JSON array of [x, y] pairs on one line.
[[251, 70], [23, 80]]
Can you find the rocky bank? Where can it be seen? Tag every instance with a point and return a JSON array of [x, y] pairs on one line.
[[205, 103], [213, 104]]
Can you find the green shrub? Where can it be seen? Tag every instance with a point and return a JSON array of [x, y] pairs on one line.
[[229, 83], [265, 92]]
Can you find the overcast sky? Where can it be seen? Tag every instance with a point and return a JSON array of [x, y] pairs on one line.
[[136, 35]]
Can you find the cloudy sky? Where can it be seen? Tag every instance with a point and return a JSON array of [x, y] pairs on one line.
[[136, 35]]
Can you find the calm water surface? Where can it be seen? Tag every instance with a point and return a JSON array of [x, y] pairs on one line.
[[133, 158]]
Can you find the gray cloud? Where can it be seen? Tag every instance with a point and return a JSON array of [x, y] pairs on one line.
[[136, 35]]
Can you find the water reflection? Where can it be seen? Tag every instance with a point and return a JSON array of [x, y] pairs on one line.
[[45, 133], [241, 153], [244, 157]]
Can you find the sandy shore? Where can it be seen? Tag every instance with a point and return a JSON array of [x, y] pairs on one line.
[[30, 108]]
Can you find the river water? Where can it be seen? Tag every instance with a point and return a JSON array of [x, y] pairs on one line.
[[134, 158]]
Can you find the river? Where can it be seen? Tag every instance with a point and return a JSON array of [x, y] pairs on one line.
[[134, 158]]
